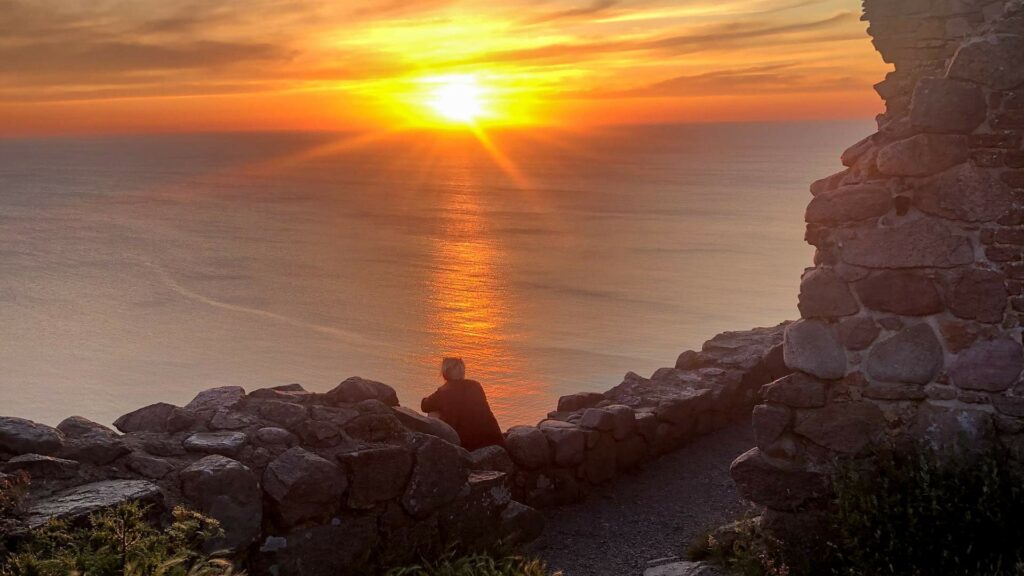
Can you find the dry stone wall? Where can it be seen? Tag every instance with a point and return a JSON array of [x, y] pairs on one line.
[[303, 483], [911, 315], [348, 482]]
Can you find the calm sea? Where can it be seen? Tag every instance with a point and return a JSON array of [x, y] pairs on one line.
[[143, 269]]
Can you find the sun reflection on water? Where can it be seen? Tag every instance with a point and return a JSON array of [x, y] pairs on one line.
[[471, 307]]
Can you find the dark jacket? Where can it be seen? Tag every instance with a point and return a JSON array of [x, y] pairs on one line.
[[463, 405]]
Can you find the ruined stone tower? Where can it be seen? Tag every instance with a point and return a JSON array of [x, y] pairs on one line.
[[912, 313]]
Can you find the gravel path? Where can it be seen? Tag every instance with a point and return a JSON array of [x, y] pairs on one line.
[[653, 514]]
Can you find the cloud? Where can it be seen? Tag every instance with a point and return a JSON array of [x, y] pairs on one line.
[[391, 8], [125, 63], [775, 78], [595, 7], [57, 50], [715, 37]]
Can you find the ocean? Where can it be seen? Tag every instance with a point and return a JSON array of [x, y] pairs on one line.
[[138, 269]]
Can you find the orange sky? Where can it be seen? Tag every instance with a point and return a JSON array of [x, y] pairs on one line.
[[102, 66]]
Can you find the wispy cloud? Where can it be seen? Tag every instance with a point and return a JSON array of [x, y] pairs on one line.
[[594, 8], [592, 49]]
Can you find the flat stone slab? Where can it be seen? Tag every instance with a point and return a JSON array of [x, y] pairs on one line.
[[224, 443], [83, 500], [683, 569], [672, 385]]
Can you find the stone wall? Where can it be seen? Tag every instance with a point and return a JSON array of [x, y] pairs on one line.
[[911, 315], [593, 437], [303, 483], [348, 481]]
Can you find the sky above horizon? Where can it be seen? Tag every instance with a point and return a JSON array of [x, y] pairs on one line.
[[115, 66]]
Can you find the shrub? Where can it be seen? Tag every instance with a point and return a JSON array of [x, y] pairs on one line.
[[914, 514], [13, 489], [743, 547], [120, 541], [476, 565], [896, 514]]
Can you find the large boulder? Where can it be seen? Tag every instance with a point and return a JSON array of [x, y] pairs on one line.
[[824, 295], [990, 365], [491, 458], [303, 487], [812, 346], [272, 436], [341, 548], [798, 390], [78, 427], [742, 351], [992, 60], [966, 193], [149, 466], [777, 484], [683, 407], [914, 356], [377, 427], [80, 501], [520, 524], [159, 417], [900, 292], [528, 447], [226, 419], [356, 389], [474, 517], [945, 105], [922, 155], [979, 295], [376, 474], [920, 244], [841, 427], [623, 421], [40, 467], [769, 422], [90, 442], [849, 204], [417, 422], [223, 397], [20, 436], [598, 419], [228, 491], [858, 333], [579, 401], [567, 441], [438, 476], [954, 430], [286, 414], [224, 443]]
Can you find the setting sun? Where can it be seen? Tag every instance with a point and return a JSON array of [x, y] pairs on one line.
[[457, 98]]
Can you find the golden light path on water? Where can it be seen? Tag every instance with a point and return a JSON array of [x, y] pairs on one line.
[[469, 303]]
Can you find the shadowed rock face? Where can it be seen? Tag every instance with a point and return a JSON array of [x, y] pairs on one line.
[[912, 314]]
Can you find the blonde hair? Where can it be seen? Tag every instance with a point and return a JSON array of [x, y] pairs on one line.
[[453, 369]]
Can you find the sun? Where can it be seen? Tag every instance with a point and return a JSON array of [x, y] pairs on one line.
[[457, 98]]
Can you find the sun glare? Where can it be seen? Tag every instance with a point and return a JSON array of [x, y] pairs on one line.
[[457, 98]]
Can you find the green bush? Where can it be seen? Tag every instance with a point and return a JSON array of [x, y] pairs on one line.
[[896, 514], [743, 547], [13, 490], [916, 515], [476, 565], [120, 541]]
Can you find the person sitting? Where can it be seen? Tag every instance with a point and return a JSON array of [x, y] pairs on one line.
[[463, 405]]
